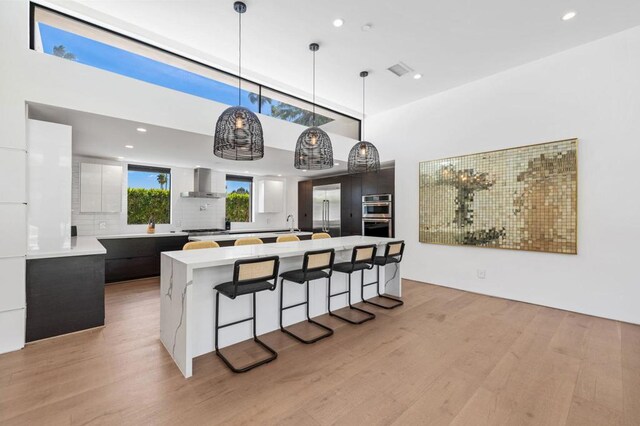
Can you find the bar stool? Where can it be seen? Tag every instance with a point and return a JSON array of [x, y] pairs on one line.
[[392, 254], [362, 258], [250, 276], [320, 236], [247, 241], [287, 238], [196, 245], [314, 267]]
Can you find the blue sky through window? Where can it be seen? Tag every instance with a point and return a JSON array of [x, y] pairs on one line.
[[233, 185], [109, 58], [145, 180], [101, 55]]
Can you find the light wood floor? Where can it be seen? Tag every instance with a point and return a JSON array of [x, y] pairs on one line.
[[446, 357]]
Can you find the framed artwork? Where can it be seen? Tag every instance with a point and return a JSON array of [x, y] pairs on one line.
[[523, 198]]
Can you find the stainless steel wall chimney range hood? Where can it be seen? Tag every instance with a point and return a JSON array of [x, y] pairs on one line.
[[202, 186]]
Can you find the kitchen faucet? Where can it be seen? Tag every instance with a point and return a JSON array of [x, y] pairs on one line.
[[291, 228]]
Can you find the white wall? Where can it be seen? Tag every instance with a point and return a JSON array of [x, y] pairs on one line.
[[591, 92]]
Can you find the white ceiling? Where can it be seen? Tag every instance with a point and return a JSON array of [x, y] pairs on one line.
[[105, 137], [449, 42]]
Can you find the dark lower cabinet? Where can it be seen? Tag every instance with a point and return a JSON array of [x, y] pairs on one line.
[[64, 294], [134, 258]]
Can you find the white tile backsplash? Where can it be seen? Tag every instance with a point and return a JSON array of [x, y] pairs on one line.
[[186, 213]]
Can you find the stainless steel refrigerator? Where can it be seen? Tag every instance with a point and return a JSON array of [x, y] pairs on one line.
[[326, 209]]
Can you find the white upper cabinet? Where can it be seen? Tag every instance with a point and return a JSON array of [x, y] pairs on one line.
[[111, 189], [100, 188], [270, 196], [90, 188], [49, 186]]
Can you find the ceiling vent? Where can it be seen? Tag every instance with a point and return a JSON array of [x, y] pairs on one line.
[[400, 69]]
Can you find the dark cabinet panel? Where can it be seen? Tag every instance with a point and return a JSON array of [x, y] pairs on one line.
[[132, 268], [386, 181], [118, 248], [369, 183], [353, 187], [305, 205], [64, 295], [356, 205], [134, 258], [345, 205]]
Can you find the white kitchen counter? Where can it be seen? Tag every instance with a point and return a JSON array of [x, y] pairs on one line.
[[142, 235], [230, 237], [187, 304], [80, 246]]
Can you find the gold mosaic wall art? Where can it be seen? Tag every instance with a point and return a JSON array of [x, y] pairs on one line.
[[520, 198]]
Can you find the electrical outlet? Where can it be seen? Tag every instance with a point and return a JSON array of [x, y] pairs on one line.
[[102, 225], [482, 274]]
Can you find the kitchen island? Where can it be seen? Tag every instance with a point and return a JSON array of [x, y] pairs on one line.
[[187, 304]]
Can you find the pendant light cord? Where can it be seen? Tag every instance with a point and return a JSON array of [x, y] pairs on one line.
[[239, 59], [363, 115], [313, 122]]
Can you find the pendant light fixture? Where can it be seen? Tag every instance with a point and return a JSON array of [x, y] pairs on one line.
[[238, 133], [313, 149], [363, 157]]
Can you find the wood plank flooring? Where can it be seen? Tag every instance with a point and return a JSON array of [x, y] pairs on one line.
[[446, 357]]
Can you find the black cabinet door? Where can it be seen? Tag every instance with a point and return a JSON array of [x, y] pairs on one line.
[[133, 258], [345, 205], [356, 205], [170, 243], [119, 248], [64, 295], [386, 181], [305, 213], [369, 183], [131, 268]]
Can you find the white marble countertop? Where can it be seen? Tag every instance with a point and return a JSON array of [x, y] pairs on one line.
[[205, 258], [80, 246], [229, 237], [141, 235]]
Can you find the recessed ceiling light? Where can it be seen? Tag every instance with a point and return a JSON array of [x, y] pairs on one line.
[[338, 22], [336, 164], [366, 27], [198, 166], [129, 146], [304, 170], [279, 175], [141, 130], [417, 76], [569, 15]]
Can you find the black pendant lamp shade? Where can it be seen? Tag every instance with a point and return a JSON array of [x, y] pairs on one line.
[[363, 157], [238, 133], [313, 149]]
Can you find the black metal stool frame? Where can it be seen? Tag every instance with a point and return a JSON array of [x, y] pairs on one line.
[[369, 266], [306, 270], [396, 259], [236, 282]]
